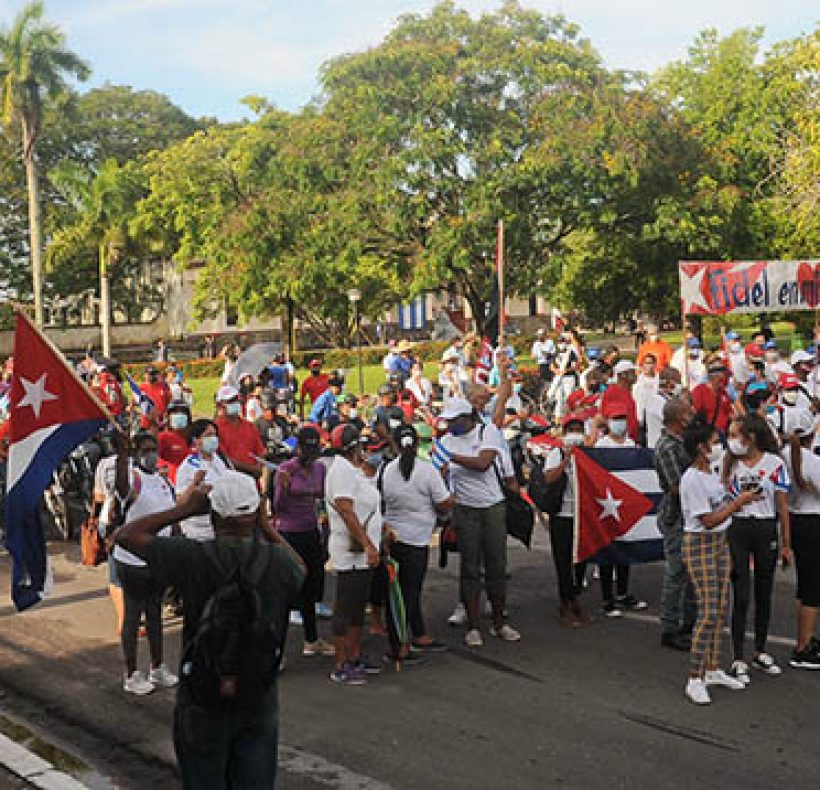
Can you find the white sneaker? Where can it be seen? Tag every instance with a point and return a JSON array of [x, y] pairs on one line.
[[137, 683], [717, 677], [507, 633], [740, 671], [459, 615], [161, 677], [473, 638], [766, 663], [697, 692], [318, 648]]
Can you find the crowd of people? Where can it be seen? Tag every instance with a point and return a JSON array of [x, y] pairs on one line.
[[340, 482]]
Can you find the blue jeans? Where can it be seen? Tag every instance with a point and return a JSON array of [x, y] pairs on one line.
[[231, 749], [679, 608]]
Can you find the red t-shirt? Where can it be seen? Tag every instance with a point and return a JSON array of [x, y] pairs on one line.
[[239, 440], [109, 392], [173, 450], [314, 386], [618, 399], [713, 407]]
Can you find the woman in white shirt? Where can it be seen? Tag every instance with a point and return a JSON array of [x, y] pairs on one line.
[[204, 465], [354, 513], [804, 509], [752, 463], [413, 493], [420, 386], [707, 511]]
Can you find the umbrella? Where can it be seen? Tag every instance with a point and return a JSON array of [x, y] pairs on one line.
[[253, 361], [396, 610]]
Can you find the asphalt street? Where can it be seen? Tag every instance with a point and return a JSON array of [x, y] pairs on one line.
[[596, 707]]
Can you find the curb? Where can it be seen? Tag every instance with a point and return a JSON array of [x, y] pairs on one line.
[[34, 769]]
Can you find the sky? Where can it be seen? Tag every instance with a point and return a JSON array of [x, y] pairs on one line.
[[207, 54]]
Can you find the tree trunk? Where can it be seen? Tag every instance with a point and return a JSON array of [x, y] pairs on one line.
[[34, 225], [105, 303]]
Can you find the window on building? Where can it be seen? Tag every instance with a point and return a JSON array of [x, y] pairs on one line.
[[533, 306], [231, 315]]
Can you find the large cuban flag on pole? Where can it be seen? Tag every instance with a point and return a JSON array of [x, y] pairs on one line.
[[51, 412], [617, 494]]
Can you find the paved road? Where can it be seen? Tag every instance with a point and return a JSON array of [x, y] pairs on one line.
[[599, 707]]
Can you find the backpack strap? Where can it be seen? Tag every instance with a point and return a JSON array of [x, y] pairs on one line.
[[380, 486]]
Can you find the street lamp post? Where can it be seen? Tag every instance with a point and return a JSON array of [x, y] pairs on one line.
[[355, 296]]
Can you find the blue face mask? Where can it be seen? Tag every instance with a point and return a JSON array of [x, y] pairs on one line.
[[517, 388]]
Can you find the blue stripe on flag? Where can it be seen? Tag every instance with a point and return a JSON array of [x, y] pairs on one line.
[[626, 552], [622, 459]]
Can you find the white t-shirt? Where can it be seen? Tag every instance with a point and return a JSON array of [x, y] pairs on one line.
[[772, 475], [543, 351], [410, 504], [701, 493], [607, 442], [643, 389], [345, 481], [199, 527], [422, 390], [800, 501], [653, 415], [154, 494], [554, 459], [473, 488]]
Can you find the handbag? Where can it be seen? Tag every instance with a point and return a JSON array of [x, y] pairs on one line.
[[92, 545], [520, 516]]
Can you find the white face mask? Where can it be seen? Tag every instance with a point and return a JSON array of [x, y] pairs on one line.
[[617, 427], [210, 444], [738, 447], [735, 346], [233, 409], [790, 397], [574, 439], [677, 390], [354, 413], [715, 454]]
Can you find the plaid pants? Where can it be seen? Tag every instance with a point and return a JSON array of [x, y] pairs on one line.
[[706, 555]]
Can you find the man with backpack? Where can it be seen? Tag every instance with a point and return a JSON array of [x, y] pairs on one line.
[[237, 593]]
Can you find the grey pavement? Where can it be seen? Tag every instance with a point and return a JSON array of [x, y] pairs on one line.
[[597, 707]]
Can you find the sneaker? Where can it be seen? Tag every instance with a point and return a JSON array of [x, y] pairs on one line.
[[348, 675], [318, 648], [473, 638], [366, 668], [429, 647], [612, 609], [805, 659], [765, 663], [697, 692], [717, 677], [324, 611], [162, 678], [459, 615], [507, 633], [295, 617], [137, 683], [631, 602], [740, 671]]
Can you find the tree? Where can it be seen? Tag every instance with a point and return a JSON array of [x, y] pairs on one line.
[[105, 203], [34, 65]]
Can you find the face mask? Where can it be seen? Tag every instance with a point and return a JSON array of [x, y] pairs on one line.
[[790, 397], [210, 444], [233, 409], [178, 421], [715, 454], [737, 447], [574, 439], [677, 390], [617, 427], [148, 461], [735, 346], [354, 413], [516, 388], [772, 356]]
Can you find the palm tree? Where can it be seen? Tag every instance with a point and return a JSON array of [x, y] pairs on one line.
[[34, 66]]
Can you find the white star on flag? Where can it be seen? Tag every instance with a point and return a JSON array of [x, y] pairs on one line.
[[36, 394], [610, 506], [690, 290]]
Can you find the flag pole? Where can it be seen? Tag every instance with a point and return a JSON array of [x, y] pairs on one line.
[[59, 354], [499, 265]]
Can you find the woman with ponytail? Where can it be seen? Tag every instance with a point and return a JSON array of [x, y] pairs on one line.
[[752, 463], [804, 509], [413, 492]]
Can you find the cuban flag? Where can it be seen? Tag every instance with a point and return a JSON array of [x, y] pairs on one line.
[[51, 412], [616, 503], [142, 399]]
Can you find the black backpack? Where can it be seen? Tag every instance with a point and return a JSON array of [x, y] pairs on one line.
[[547, 496], [234, 655]]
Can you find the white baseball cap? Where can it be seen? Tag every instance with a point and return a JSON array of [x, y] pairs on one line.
[[234, 494], [226, 392], [624, 366], [456, 407], [801, 356], [799, 421]]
